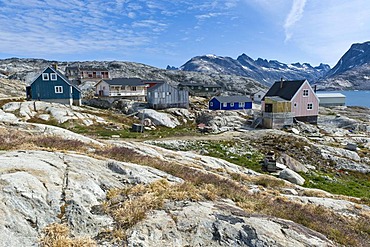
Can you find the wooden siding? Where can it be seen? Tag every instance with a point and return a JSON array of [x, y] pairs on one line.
[[300, 102], [277, 106], [164, 96], [45, 90]]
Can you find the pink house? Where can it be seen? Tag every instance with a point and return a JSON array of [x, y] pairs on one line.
[[288, 100]]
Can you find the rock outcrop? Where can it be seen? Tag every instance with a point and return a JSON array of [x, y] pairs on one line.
[[218, 224], [38, 188]]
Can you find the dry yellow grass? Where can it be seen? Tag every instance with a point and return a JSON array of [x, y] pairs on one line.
[[57, 235]]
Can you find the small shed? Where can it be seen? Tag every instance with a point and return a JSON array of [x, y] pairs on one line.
[[277, 112], [237, 102], [163, 95], [331, 99]]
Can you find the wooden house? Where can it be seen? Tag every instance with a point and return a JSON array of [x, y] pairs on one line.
[[163, 95], [257, 97], [86, 73], [230, 103], [288, 100], [202, 90], [53, 86], [331, 99], [132, 88]]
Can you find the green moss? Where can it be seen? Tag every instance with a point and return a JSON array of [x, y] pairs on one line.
[[349, 183]]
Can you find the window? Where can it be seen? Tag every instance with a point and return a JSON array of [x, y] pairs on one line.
[[163, 95], [133, 88], [206, 88], [241, 104], [224, 104], [211, 104], [155, 94], [53, 76], [309, 106], [305, 92], [295, 104], [232, 104], [58, 89], [45, 76]]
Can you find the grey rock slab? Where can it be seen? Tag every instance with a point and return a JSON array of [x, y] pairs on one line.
[[36, 185], [218, 224]]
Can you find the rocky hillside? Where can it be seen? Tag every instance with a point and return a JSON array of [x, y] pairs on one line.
[[260, 70], [352, 71], [26, 70], [62, 188]]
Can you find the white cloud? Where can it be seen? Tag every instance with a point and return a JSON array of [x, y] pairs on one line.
[[293, 17], [328, 29]]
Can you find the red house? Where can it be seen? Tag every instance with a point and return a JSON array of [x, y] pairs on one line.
[[288, 100]]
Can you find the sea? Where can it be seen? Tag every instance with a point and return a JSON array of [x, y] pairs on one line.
[[355, 98]]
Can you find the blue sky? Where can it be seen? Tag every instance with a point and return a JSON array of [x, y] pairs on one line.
[[170, 32]]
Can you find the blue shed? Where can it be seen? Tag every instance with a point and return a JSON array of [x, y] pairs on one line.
[[230, 103], [52, 86]]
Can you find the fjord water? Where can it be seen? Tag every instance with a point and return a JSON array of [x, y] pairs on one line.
[[356, 98]]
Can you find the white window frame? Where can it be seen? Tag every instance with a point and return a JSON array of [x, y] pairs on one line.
[[305, 92], [232, 104], [53, 76], [58, 89], [45, 76], [295, 104], [241, 104], [224, 104], [309, 106], [211, 104]]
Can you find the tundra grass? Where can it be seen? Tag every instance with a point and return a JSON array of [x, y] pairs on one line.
[[349, 183], [343, 230]]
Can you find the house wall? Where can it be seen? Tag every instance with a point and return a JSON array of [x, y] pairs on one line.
[[277, 106], [214, 104], [258, 96], [167, 96], [45, 89], [300, 102], [332, 101], [102, 88]]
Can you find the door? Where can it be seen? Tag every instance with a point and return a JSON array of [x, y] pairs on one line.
[[268, 107]]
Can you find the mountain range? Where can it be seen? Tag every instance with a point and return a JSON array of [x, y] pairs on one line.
[[261, 70], [243, 75], [351, 72]]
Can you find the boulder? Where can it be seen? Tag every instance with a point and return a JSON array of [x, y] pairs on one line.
[[291, 176], [159, 118], [292, 163]]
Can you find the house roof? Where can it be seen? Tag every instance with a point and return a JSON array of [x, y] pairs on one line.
[[284, 89], [154, 81], [199, 84], [84, 68], [231, 99], [125, 82]]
